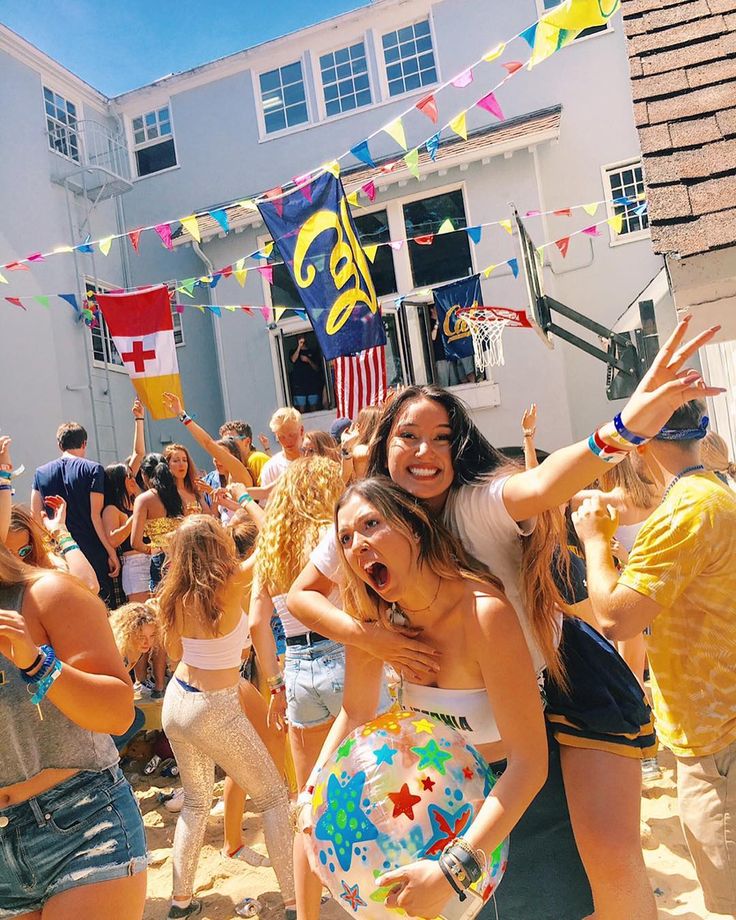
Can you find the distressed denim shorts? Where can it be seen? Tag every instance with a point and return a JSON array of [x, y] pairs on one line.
[[86, 830]]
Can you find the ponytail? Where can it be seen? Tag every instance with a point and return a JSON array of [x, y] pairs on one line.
[[164, 485]]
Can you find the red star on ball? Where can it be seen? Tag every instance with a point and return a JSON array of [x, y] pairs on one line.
[[428, 783], [404, 802], [467, 773]]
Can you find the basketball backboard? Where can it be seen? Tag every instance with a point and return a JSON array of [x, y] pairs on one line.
[[537, 311]]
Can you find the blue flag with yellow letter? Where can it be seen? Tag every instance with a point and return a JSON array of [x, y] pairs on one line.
[[454, 330], [318, 241]]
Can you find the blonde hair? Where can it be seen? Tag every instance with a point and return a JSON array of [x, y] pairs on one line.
[[13, 571], [322, 444], [127, 621], [715, 455], [367, 423], [244, 532], [300, 507], [640, 491], [200, 561], [40, 555], [282, 416]]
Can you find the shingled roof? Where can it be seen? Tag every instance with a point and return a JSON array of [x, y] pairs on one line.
[[682, 56]]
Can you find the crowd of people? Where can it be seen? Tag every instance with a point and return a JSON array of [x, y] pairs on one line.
[[531, 600]]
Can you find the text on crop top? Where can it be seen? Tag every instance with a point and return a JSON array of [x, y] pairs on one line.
[[467, 711]]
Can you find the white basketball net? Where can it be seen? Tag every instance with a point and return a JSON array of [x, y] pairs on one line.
[[487, 332]]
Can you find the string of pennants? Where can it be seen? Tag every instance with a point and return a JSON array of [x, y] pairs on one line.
[[554, 30], [635, 207]]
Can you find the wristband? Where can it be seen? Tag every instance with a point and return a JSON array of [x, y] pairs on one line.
[[467, 857], [443, 862], [185, 419], [633, 439], [529, 433], [44, 685], [68, 548], [49, 657], [138, 418], [276, 690], [32, 667], [606, 452], [6, 474], [5, 488], [277, 679], [245, 499]]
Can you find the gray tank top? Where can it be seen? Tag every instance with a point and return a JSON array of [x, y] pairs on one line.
[[31, 744]]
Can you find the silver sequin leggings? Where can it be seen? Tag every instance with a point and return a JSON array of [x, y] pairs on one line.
[[207, 728]]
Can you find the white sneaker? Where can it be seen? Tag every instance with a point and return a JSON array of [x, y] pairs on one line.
[[218, 809], [141, 691], [175, 803], [249, 855]]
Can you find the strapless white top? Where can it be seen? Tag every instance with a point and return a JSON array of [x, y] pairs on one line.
[[218, 653], [467, 711]]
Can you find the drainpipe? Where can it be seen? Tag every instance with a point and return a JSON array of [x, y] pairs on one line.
[[218, 335]]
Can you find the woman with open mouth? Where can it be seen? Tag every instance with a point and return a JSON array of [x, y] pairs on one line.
[[427, 443]]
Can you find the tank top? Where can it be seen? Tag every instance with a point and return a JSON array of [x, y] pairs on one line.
[[292, 626], [467, 711], [31, 744], [218, 653]]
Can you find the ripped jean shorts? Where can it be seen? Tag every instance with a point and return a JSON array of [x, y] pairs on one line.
[[86, 830]]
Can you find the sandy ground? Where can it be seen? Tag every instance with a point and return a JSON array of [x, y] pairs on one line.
[[223, 883]]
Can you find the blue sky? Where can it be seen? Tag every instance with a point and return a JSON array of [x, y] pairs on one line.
[[117, 45]]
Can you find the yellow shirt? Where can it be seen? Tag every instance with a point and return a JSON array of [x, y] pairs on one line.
[[256, 461], [684, 559]]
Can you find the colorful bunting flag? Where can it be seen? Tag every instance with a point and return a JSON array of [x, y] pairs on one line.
[[71, 299], [563, 212], [16, 302], [412, 162], [592, 231], [266, 271], [474, 233], [266, 313], [35, 257], [86, 246], [188, 285], [304, 184], [563, 245], [362, 152], [433, 145], [164, 231], [134, 236], [513, 264], [490, 104], [60, 249], [529, 35], [495, 53], [105, 245], [506, 224], [370, 190], [215, 309], [3, 279], [396, 244], [186, 291], [581, 14], [241, 272], [352, 199], [459, 126], [512, 66], [487, 272], [446, 226], [220, 215], [395, 130], [428, 107], [548, 39], [191, 225], [248, 204], [226, 271], [617, 222], [268, 248], [17, 267], [42, 299], [276, 195], [425, 239], [591, 208], [464, 79], [370, 250], [333, 167], [532, 213], [641, 209], [278, 312]]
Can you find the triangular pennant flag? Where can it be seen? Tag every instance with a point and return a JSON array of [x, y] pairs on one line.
[[370, 250], [266, 313], [198, 306], [513, 264], [459, 126], [370, 190], [220, 215], [3, 279], [428, 107], [389, 167], [164, 231], [276, 195], [188, 285], [396, 130], [362, 152], [591, 208], [304, 184], [617, 222], [278, 312], [433, 145], [215, 280], [16, 302], [488, 271], [532, 213], [183, 290], [353, 200], [216, 310], [529, 35], [425, 240], [563, 245], [512, 66], [396, 244], [241, 272], [268, 248], [506, 224], [226, 271], [179, 308], [620, 199], [302, 314], [332, 167], [134, 236], [105, 245], [547, 40], [496, 52], [474, 233], [86, 246], [248, 204], [205, 279], [42, 299], [412, 162], [563, 212], [463, 79], [230, 309], [490, 104], [191, 225], [446, 226], [592, 231], [641, 209], [247, 310], [266, 272], [71, 299], [60, 249], [35, 257], [17, 267]]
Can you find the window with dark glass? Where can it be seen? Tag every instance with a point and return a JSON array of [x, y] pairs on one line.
[[448, 255], [345, 81], [409, 58], [153, 142], [283, 98], [627, 187], [61, 124]]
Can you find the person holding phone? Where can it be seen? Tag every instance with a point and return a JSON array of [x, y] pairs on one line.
[[306, 377]]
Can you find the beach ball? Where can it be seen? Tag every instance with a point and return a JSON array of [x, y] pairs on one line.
[[398, 789]]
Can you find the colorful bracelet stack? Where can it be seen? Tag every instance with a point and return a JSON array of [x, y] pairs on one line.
[[276, 684], [245, 499], [66, 543], [5, 477], [186, 419], [461, 865], [613, 442], [40, 682]]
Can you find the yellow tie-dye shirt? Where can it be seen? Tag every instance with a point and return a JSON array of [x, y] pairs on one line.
[[684, 559]]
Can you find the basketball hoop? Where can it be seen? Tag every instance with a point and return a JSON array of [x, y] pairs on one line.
[[486, 326]]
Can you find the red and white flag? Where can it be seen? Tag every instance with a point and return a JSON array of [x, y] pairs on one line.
[[142, 329], [360, 381]]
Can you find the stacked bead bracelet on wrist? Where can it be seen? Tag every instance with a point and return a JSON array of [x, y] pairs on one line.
[[40, 682], [613, 442], [276, 684], [461, 865], [5, 477]]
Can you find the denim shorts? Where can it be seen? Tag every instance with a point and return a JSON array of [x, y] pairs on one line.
[[86, 830], [315, 678]]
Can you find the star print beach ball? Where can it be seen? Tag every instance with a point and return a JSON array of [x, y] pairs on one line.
[[398, 789]]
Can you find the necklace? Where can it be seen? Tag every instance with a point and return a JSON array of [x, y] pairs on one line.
[[397, 615], [688, 469]]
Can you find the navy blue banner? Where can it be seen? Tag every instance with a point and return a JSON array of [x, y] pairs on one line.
[[454, 330], [318, 242]]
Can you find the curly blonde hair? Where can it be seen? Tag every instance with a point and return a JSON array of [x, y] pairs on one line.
[[127, 621], [200, 561], [299, 510]]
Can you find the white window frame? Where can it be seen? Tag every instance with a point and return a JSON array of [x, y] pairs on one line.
[[66, 128], [381, 59], [133, 146], [623, 238], [320, 87], [541, 10], [264, 135]]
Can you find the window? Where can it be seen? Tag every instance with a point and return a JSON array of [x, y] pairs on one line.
[[61, 124], [373, 228], [153, 141], [283, 98], [345, 79], [409, 58], [593, 30], [626, 186], [448, 257]]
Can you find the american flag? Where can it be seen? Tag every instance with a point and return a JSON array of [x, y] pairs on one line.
[[360, 380]]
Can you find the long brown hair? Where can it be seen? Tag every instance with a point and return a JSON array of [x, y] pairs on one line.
[[439, 550], [192, 471], [22, 519], [638, 489], [475, 461], [13, 571], [200, 561]]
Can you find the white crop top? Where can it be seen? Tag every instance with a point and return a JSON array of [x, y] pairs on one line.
[[467, 711], [219, 653], [292, 626]]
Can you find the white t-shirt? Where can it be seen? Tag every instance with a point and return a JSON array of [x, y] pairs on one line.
[[274, 468]]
